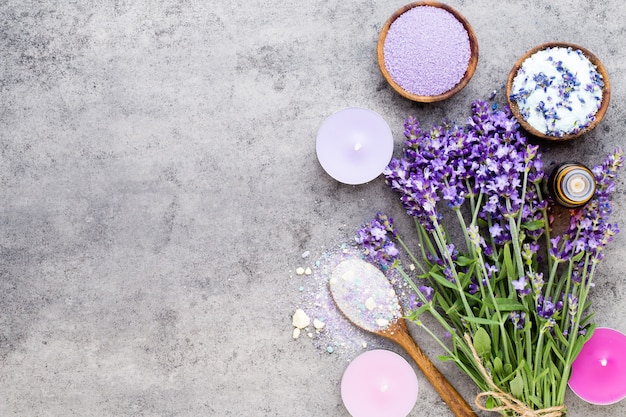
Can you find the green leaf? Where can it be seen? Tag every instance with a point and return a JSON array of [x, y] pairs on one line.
[[464, 261], [590, 331], [578, 256], [497, 365], [517, 386], [542, 374], [578, 346], [490, 403], [505, 304], [454, 308], [533, 225], [559, 334], [468, 275], [508, 259], [508, 368], [482, 343], [441, 301], [440, 279], [550, 344], [555, 372], [537, 401], [480, 320], [414, 315], [446, 358]]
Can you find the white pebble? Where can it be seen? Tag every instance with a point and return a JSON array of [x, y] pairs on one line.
[[296, 333], [300, 270], [308, 271], [318, 324], [300, 319]]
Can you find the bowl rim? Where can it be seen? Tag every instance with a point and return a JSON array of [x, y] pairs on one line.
[[471, 65], [606, 91]]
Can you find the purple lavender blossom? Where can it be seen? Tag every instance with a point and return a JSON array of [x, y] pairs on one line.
[[518, 318], [521, 286], [545, 307], [375, 240], [473, 286], [589, 230], [487, 168]]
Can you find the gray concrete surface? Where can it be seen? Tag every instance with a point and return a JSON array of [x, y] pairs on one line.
[[159, 185]]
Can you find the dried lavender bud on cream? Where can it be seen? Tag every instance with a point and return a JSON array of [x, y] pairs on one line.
[[558, 91], [364, 295]]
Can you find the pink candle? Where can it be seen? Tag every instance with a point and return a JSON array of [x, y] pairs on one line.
[[354, 145], [599, 371], [379, 383]]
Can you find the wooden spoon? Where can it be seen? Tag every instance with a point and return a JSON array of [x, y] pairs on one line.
[[365, 296]]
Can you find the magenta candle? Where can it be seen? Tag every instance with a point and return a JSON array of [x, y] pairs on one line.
[[379, 383], [354, 145], [599, 371]]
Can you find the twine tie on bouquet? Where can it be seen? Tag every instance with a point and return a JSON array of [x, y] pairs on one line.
[[508, 401]]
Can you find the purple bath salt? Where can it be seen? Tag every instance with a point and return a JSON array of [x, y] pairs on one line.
[[427, 51]]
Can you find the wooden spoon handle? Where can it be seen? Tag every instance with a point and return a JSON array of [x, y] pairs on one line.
[[448, 393]]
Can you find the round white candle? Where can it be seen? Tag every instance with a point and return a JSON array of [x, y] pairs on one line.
[[354, 145], [599, 371], [379, 383]]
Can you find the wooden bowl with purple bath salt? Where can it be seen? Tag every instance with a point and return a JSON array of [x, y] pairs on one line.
[[558, 91], [427, 51]]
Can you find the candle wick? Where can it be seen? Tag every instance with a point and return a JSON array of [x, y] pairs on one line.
[[357, 146], [603, 362]]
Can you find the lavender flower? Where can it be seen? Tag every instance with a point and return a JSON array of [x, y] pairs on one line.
[[518, 318], [493, 284], [545, 307], [416, 302], [376, 241], [521, 286], [589, 231]]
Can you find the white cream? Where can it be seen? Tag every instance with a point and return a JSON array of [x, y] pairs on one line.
[[559, 114]]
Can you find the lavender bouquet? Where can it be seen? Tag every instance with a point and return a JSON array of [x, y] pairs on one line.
[[513, 297]]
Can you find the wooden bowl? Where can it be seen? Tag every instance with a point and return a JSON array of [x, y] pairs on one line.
[[606, 92], [469, 72]]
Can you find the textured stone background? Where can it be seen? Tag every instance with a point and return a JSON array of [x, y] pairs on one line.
[[158, 185]]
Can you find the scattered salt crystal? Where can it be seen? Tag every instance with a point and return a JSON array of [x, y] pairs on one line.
[[300, 319], [382, 322], [296, 333], [412, 267], [305, 254], [308, 271], [330, 349], [370, 304], [300, 270], [310, 335], [364, 344], [318, 324]]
